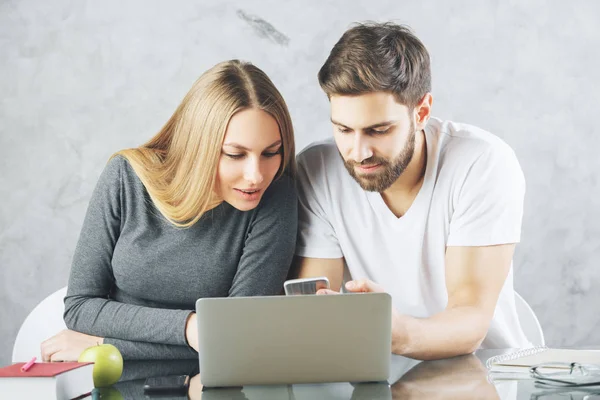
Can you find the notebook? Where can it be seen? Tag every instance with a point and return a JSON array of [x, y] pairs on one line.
[[56, 381], [521, 361]]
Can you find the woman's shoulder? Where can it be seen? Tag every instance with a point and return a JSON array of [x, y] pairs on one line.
[[118, 176], [111, 174], [281, 193], [284, 184], [119, 167]]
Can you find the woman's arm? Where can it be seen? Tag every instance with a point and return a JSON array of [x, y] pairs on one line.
[[131, 350], [68, 345], [270, 244], [88, 308]]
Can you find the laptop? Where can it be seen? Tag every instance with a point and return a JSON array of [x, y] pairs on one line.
[[294, 339]]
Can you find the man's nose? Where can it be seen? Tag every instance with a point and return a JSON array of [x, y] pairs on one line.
[[361, 148]]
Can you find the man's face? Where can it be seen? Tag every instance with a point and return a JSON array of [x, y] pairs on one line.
[[375, 136]]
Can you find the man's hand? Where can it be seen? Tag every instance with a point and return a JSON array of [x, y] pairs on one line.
[[357, 286], [191, 331], [67, 345]]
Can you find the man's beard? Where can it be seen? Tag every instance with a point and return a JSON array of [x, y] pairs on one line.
[[389, 171]]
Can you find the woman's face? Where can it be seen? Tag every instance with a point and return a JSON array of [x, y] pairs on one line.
[[250, 158]]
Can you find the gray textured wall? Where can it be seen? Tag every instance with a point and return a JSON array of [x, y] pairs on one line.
[[82, 79]]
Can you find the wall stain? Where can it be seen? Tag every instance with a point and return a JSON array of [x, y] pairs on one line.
[[264, 29]]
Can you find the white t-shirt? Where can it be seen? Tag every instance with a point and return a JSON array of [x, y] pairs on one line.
[[472, 195]]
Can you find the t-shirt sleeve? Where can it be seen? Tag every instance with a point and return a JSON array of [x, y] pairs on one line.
[[489, 207], [316, 234]]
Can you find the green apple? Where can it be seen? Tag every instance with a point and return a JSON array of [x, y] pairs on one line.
[[108, 364]]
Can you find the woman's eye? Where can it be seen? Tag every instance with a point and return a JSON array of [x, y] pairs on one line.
[[234, 156], [272, 153]]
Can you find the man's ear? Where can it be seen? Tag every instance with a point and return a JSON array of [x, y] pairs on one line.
[[423, 111]]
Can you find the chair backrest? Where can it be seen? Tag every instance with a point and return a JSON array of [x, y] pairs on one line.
[[529, 322], [42, 323]]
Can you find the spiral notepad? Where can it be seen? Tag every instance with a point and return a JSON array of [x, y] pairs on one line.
[[541, 355], [505, 358]]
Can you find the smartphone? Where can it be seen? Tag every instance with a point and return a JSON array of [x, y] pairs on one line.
[[305, 285], [172, 384]]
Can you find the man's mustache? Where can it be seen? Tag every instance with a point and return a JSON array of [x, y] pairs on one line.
[[368, 162]]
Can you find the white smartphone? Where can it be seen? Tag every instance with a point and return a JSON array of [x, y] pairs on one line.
[[305, 285]]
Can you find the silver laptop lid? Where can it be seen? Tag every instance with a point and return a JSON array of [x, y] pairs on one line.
[[294, 339]]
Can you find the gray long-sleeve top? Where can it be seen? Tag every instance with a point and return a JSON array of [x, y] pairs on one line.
[[135, 277]]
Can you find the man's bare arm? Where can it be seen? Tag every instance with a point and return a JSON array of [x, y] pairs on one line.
[[474, 278]]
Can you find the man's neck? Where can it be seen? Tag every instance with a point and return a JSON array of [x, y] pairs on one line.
[[401, 194]]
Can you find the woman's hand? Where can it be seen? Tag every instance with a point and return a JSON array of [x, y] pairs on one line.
[[191, 331], [195, 388], [68, 345]]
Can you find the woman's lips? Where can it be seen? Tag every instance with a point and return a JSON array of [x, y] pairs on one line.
[[249, 194]]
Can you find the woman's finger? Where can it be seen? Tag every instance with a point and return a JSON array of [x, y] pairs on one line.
[[48, 348]]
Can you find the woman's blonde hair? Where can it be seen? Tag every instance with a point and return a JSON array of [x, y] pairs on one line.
[[178, 166]]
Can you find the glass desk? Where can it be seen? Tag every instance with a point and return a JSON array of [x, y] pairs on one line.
[[463, 377]]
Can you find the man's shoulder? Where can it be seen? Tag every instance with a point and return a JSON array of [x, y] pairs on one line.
[[463, 136], [465, 151], [464, 143], [320, 158], [321, 169], [320, 150]]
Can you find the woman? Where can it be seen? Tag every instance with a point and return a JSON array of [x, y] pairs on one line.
[[206, 208]]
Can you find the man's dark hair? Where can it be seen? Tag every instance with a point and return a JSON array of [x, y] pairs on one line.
[[378, 57]]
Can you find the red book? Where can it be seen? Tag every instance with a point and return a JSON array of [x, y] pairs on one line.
[[57, 380]]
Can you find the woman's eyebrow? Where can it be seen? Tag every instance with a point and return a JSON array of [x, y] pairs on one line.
[[239, 146]]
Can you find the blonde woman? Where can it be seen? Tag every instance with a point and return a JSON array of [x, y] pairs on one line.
[[206, 208]]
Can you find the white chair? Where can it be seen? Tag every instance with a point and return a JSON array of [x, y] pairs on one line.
[[43, 322], [529, 322]]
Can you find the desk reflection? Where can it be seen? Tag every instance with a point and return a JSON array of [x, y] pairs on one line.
[[460, 377], [463, 377], [326, 391], [131, 386]]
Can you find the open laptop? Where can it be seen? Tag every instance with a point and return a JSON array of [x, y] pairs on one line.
[[294, 339]]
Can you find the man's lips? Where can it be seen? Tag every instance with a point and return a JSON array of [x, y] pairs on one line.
[[367, 168]]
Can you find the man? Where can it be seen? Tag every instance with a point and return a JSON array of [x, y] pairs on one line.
[[426, 210]]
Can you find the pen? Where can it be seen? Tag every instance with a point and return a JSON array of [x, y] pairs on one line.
[[25, 367]]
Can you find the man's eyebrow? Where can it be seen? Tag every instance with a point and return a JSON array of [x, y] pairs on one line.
[[333, 121], [377, 125], [240, 147]]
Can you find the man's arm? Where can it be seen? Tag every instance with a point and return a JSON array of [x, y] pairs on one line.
[[485, 225], [332, 268], [474, 278]]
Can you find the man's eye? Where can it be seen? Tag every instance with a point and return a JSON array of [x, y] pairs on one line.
[[381, 131], [344, 130]]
